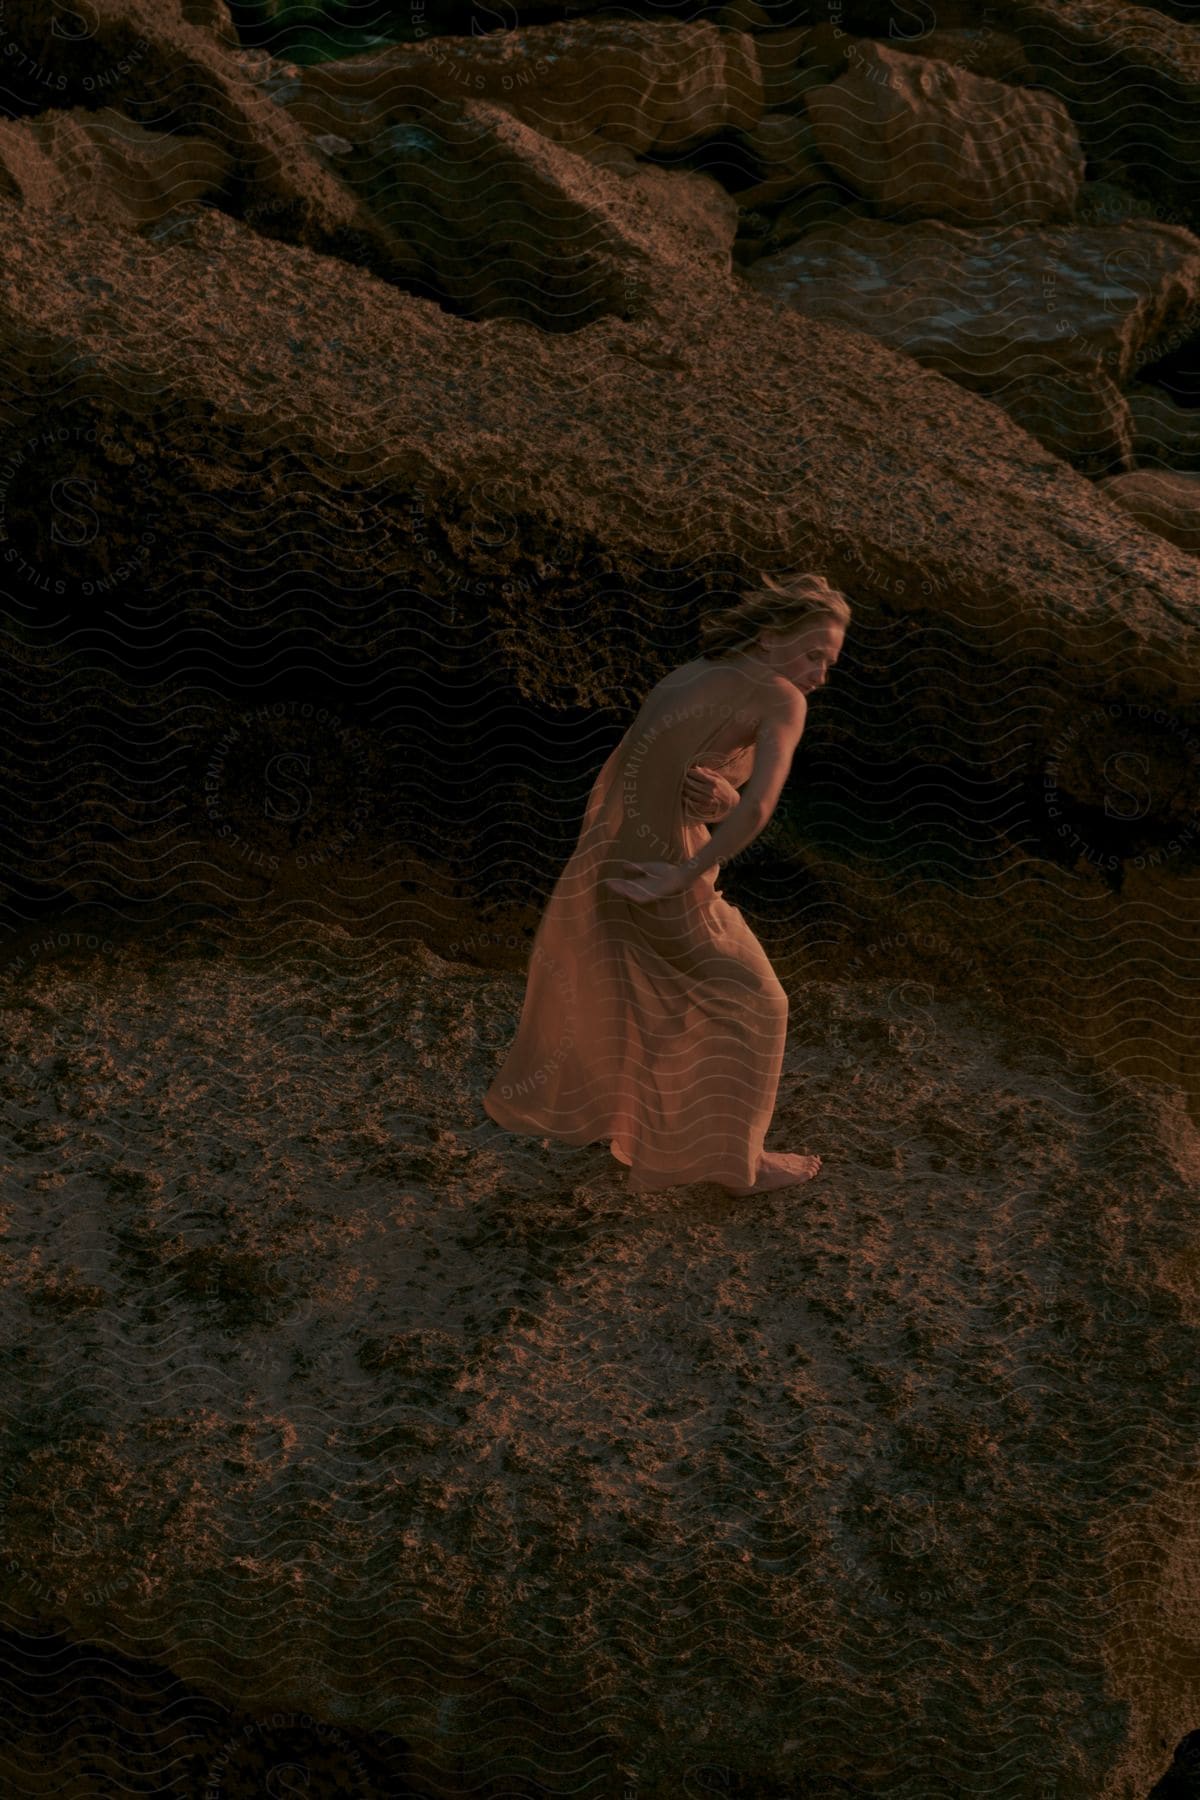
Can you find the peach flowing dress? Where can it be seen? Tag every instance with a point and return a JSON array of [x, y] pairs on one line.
[[657, 1027]]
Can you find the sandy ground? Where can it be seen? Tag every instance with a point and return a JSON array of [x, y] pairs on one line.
[[325, 1393]]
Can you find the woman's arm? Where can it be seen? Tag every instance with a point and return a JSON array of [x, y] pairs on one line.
[[776, 739], [778, 735], [708, 796]]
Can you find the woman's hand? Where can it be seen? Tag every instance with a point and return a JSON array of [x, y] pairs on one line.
[[647, 881], [708, 796]]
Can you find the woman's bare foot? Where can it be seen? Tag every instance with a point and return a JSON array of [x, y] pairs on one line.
[[777, 1170]]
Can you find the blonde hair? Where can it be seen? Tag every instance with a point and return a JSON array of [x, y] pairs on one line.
[[779, 603]]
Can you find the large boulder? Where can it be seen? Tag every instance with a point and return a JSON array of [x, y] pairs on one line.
[[861, 407], [928, 139], [478, 468], [794, 59], [787, 161], [326, 599], [172, 76], [465, 202], [647, 85], [1131, 77], [343, 1405], [1079, 307], [1164, 500], [458, 198], [108, 166], [1082, 417]]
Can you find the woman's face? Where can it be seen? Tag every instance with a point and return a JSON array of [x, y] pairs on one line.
[[806, 655]]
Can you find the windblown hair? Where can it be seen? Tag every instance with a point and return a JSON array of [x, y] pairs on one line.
[[779, 603]]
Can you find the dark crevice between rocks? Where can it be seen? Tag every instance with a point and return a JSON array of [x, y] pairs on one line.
[[1177, 373], [1077, 833], [92, 1721], [498, 809], [724, 154]]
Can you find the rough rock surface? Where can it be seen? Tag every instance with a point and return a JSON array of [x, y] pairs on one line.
[[331, 1397], [1164, 500], [787, 65], [173, 76], [645, 84], [1005, 306], [929, 139], [1131, 76], [785, 148], [990, 306], [979, 50], [120, 171], [320, 1390], [1084, 418], [469, 204]]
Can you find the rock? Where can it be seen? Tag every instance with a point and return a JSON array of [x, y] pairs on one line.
[[1083, 418], [332, 145], [787, 161], [1131, 77], [645, 85], [1164, 431], [1053, 355], [105, 165], [1085, 299], [978, 50], [495, 472], [923, 138], [280, 80], [786, 73], [822, 204], [379, 1419], [212, 17], [810, 371], [468, 203], [1164, 500], [492, 219], [829, 50], [144, 58]]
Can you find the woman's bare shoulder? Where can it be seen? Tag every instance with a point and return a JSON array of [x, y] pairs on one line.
[[757, 697]]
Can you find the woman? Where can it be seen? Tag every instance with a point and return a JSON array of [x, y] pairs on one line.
[[652, 1018]]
